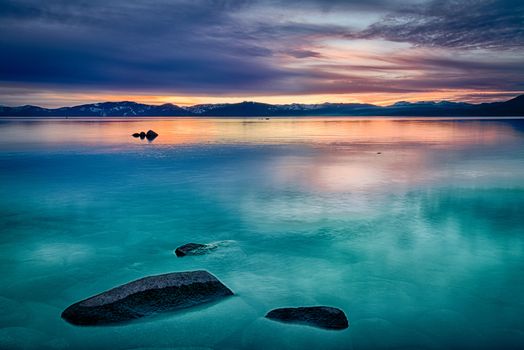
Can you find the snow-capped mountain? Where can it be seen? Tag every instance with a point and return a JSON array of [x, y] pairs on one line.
[[513, 107]]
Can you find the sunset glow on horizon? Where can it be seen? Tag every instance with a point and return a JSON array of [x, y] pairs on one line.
[[56, 100]]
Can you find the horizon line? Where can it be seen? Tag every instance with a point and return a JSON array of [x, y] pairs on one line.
[[265, 103]]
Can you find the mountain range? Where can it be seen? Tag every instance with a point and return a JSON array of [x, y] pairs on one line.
[[513, 107]]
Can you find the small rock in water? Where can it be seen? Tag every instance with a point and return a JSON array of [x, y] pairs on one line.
[[226, 247], [151, 135], [318, 316], [147, 296], [193, 249]]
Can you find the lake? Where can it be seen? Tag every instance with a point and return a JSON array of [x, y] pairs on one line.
[[413, 227]]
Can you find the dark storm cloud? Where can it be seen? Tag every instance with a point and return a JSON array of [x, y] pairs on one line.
[[211, 47], [184, 45], [465, 24]]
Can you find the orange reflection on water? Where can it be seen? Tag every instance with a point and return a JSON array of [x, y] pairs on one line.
[[313, 131], [449, 133]]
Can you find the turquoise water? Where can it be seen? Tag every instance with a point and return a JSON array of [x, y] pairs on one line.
[[422, 244]]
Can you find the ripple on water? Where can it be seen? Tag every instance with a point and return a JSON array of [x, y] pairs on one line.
[[15, 338], [12, 312], [378, 333]]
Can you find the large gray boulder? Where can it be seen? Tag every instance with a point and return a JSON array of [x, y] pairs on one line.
[[147, 296], [318, 316]]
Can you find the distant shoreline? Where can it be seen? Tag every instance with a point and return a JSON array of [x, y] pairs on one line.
[[253, 118], [510, 108]]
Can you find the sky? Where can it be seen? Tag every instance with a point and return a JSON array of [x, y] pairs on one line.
[[186, 52]]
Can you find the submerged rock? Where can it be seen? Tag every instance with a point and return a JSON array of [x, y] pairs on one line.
[[318, 316], [151, 135], [191, 249], [225, 249], [147, 296]]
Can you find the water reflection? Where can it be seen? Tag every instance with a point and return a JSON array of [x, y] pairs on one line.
[[336, 131], [420, 244]]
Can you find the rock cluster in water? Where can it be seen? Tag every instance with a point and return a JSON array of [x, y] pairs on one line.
[[150, 135], [147, 296], [318, 316], [179, 290]]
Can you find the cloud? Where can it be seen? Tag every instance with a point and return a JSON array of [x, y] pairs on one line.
[[184, 45], [298, 53], [463, 24], [266, 47]]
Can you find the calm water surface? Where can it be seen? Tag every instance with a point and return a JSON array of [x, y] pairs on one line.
[[422, 244]]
